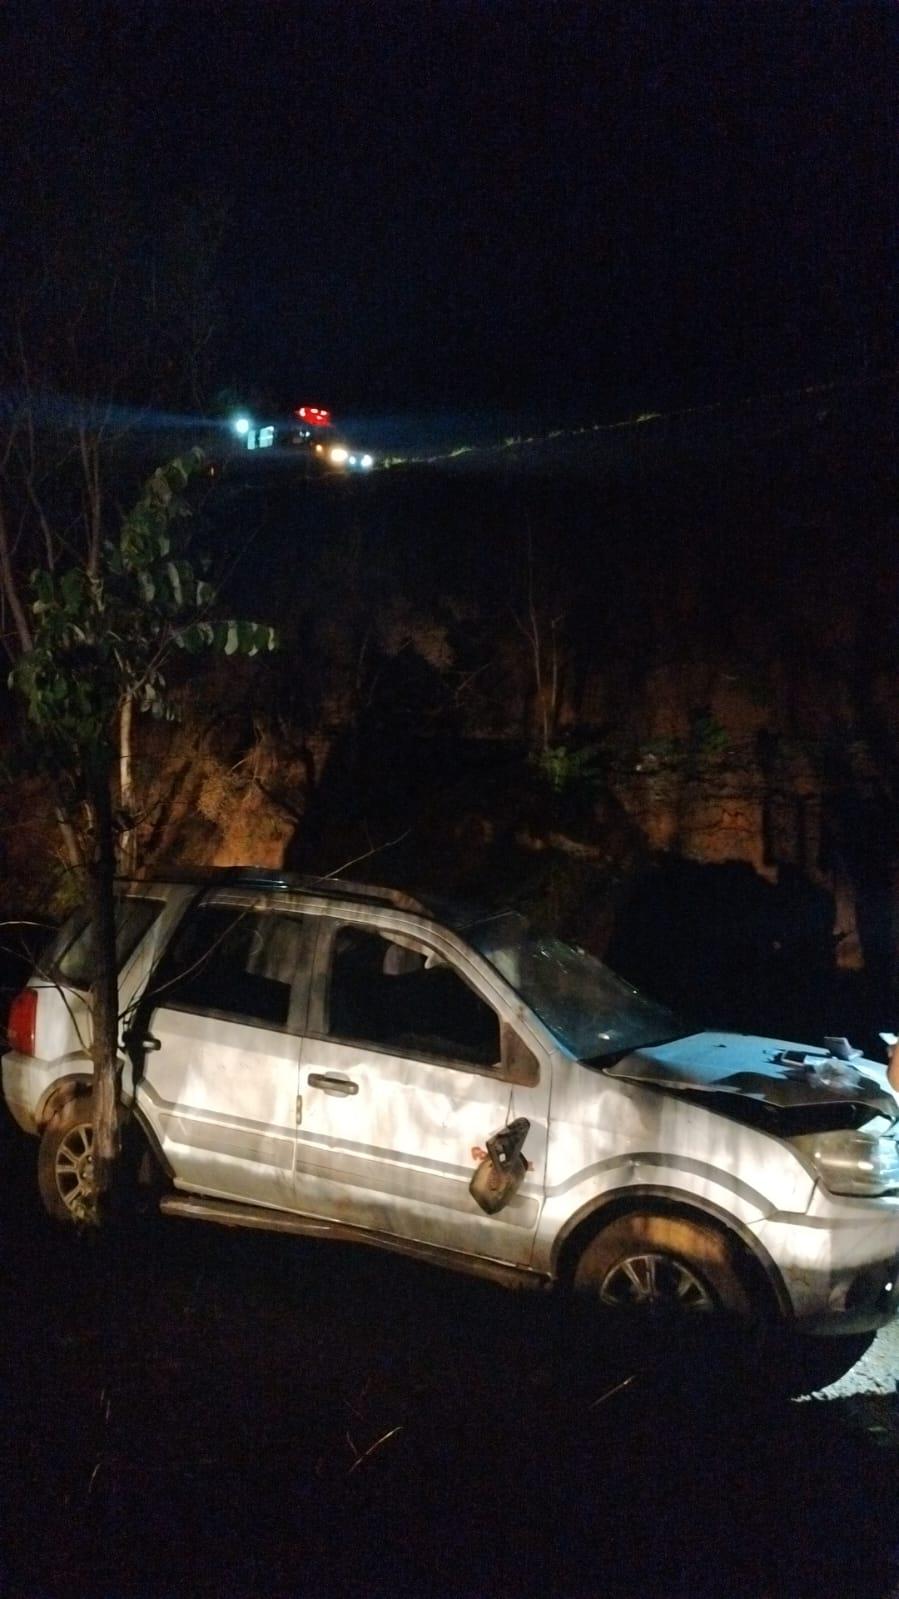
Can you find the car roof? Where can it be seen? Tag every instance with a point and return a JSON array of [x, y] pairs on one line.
[[454, 913], [275, 879]]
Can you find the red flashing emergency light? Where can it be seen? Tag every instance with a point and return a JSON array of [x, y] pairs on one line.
[[314, 415]]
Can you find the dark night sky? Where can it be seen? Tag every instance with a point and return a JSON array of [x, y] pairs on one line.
[[575, 209]]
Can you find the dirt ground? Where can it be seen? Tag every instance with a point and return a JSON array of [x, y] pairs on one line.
[[200, 1412]]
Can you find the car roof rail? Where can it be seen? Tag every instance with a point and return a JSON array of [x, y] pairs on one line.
[[274, 877]]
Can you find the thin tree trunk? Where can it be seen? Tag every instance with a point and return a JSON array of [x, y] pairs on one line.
[[70, 844], [11, 590], [127, 848], [104, 995]]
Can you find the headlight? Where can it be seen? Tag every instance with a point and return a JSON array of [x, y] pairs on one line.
[[852, 1163], [339, 455], [367, 461]]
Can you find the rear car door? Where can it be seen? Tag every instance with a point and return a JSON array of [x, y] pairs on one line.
[[412, 1059], [218, 1040]]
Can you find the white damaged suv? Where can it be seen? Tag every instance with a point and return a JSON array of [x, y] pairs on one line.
[[320, 1057]]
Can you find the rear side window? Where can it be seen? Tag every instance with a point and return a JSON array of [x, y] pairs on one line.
[[134, 917], [235, 962]]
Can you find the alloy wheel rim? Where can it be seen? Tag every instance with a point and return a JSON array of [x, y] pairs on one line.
[[655, 1283], [75, 1171]]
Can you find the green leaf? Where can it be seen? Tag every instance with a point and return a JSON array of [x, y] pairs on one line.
[[42, 584], [195, 637], [71, 589], [158, 488], [174, 577], [95, 636]]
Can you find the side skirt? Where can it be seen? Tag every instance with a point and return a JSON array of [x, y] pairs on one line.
[[230, 1213]]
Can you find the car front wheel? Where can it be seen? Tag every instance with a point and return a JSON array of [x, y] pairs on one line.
[[661, 1267], [656, 1275]]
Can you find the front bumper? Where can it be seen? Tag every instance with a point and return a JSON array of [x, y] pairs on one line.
[[838, 1263]]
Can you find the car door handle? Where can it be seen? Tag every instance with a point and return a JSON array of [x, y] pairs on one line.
[[147, 1043], [332, 1085]]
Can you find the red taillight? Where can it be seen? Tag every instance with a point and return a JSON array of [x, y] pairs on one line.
[[22, 1021]]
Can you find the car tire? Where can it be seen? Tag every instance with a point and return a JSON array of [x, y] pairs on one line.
[[660, 1266], [665, 1296], [64, 1164], [800, 1364], [64, 1171], [766, 1359]]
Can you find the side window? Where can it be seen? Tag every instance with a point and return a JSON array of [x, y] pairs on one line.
[[233, 961], [134, 917], [401, 999]]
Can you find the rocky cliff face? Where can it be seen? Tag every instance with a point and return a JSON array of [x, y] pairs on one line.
[[661, 710]]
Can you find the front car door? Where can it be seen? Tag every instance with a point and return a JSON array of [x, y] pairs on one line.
[[414, 1055], [219, 1034]]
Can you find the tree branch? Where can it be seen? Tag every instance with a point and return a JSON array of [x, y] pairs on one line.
[[11, 590]]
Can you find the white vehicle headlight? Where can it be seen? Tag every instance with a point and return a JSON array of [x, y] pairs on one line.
[[852, 1162], [339, 455], [367, 461]]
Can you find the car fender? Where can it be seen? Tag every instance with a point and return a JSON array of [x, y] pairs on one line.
[[626, 1180], [60, 1092], [68, 1086], [603, 1209]]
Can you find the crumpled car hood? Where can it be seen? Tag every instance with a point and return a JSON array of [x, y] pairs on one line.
[[741, 1064]]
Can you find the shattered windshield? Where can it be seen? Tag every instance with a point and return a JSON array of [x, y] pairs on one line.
[[592, 1012]]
